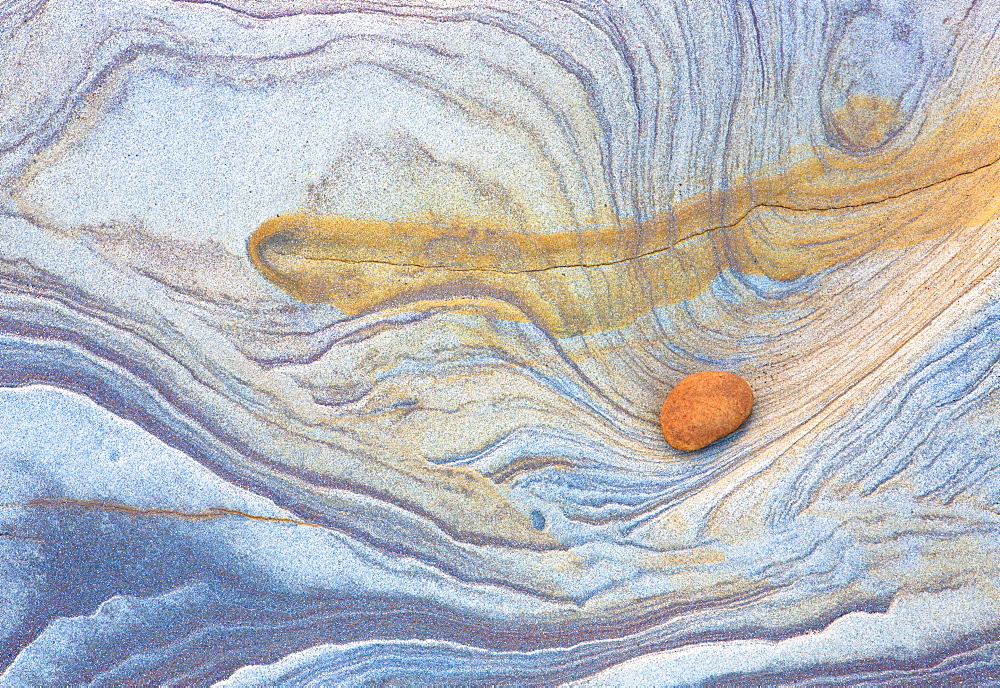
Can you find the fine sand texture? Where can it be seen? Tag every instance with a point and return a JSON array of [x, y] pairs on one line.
[[334, 337]]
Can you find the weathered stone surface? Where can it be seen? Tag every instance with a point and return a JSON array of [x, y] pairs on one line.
[[705, 407], [403, 284]]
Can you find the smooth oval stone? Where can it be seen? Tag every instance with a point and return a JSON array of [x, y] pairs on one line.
[[705, 407]]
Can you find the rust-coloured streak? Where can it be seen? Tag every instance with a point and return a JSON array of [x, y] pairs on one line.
[[212, 512], [795, 217]]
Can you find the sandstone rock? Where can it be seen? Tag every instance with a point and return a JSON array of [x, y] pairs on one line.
[[704, 407]]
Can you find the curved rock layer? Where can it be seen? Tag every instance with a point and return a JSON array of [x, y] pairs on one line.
[[335, 334]]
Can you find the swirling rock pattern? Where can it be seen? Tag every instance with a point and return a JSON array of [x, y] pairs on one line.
[[333, 337]]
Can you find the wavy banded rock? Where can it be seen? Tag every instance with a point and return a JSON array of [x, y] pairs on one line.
[[401, 287]]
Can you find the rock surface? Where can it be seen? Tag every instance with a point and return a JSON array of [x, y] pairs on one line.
[[703, 408], [333, 335]]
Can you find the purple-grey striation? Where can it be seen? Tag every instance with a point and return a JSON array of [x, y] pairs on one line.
[[333, 337]]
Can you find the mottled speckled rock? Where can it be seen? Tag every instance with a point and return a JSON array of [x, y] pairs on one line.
[[705, 407], [372, 295]]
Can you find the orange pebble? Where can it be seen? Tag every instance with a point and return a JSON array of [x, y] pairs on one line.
[[705, 407]]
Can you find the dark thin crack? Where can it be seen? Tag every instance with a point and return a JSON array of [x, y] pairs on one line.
[[657, 251]]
